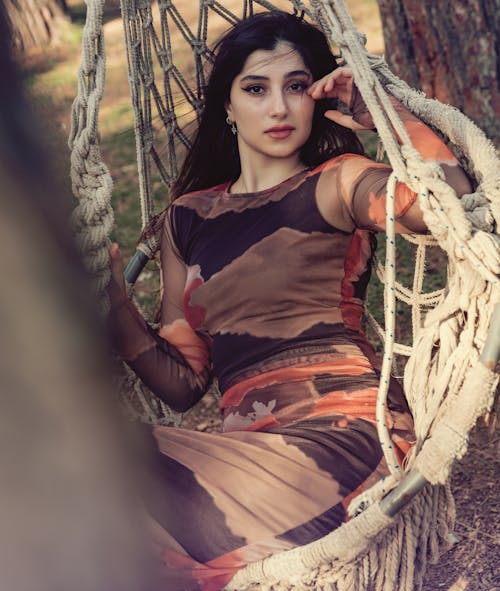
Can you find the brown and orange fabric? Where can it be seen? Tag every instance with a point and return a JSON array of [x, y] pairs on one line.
[[260, 291]]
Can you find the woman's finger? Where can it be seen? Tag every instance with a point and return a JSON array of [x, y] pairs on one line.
[[329, 83], [340, 77], [336, 84], [117, 290], [344, 71], [114, 251], [344, 120], [316, 90], [116, 260]]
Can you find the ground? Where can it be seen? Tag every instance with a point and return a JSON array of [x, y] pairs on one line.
[[473, 563]]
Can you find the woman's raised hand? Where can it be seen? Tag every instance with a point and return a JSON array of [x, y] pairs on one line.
[[337, 84], [117, 290]]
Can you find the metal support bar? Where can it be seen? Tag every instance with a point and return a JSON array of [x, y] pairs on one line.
[[134, 267], [409, 486], [491, 351]]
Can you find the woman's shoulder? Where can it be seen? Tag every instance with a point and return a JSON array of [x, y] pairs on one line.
[[347, 160], [197, 203], [347, 170], [336, 181], [194, 198]]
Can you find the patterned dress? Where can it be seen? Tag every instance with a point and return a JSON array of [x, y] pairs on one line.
[[262, 292]]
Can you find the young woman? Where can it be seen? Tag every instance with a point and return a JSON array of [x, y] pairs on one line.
[[265, 258]]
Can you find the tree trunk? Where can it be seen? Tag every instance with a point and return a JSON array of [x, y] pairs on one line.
[[35, 24], [450, 49]]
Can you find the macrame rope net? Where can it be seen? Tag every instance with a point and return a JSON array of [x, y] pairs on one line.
[[447, 386]]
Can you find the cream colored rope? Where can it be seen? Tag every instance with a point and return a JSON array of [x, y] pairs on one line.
[[93, 218], [92, 184]]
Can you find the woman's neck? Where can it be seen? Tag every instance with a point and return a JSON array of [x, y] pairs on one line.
[[256, 177]]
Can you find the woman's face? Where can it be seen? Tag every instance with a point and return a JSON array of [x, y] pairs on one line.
[[269, 104]]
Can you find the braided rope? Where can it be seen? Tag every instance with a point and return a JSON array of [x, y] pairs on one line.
[[92, 218]]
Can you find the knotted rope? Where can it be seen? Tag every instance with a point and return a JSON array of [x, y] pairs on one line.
[[92, 184]]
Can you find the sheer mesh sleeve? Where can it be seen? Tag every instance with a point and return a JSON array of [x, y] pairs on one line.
[[361, 183], [173, 362], [364, 185]]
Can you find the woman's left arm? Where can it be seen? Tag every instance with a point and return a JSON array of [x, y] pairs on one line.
[[364, 181]]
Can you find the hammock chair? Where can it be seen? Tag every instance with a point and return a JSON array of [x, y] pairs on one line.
[[450, 381]]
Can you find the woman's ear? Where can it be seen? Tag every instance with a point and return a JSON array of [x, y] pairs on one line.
[[229, 110]]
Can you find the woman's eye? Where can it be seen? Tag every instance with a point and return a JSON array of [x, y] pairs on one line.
[[255, 89], [297, 86]]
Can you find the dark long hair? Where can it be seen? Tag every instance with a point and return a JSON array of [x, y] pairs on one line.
[[214, 157]]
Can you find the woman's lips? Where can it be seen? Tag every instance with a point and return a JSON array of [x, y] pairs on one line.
[[279, 133]]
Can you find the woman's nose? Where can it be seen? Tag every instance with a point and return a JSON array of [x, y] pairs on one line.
[[278, 107]]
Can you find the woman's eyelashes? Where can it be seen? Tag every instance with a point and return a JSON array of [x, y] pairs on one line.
[[299, 86], [254, 89], [295, 87]]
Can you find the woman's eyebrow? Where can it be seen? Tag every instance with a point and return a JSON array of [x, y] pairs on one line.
[[254, 78], [299, 73]]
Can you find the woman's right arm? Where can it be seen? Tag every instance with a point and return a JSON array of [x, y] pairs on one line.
[[360, 196], [173, 362]]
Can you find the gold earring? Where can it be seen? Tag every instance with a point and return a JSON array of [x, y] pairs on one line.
[[232, 125]]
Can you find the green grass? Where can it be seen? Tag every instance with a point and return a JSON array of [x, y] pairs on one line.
[[115, 123]]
